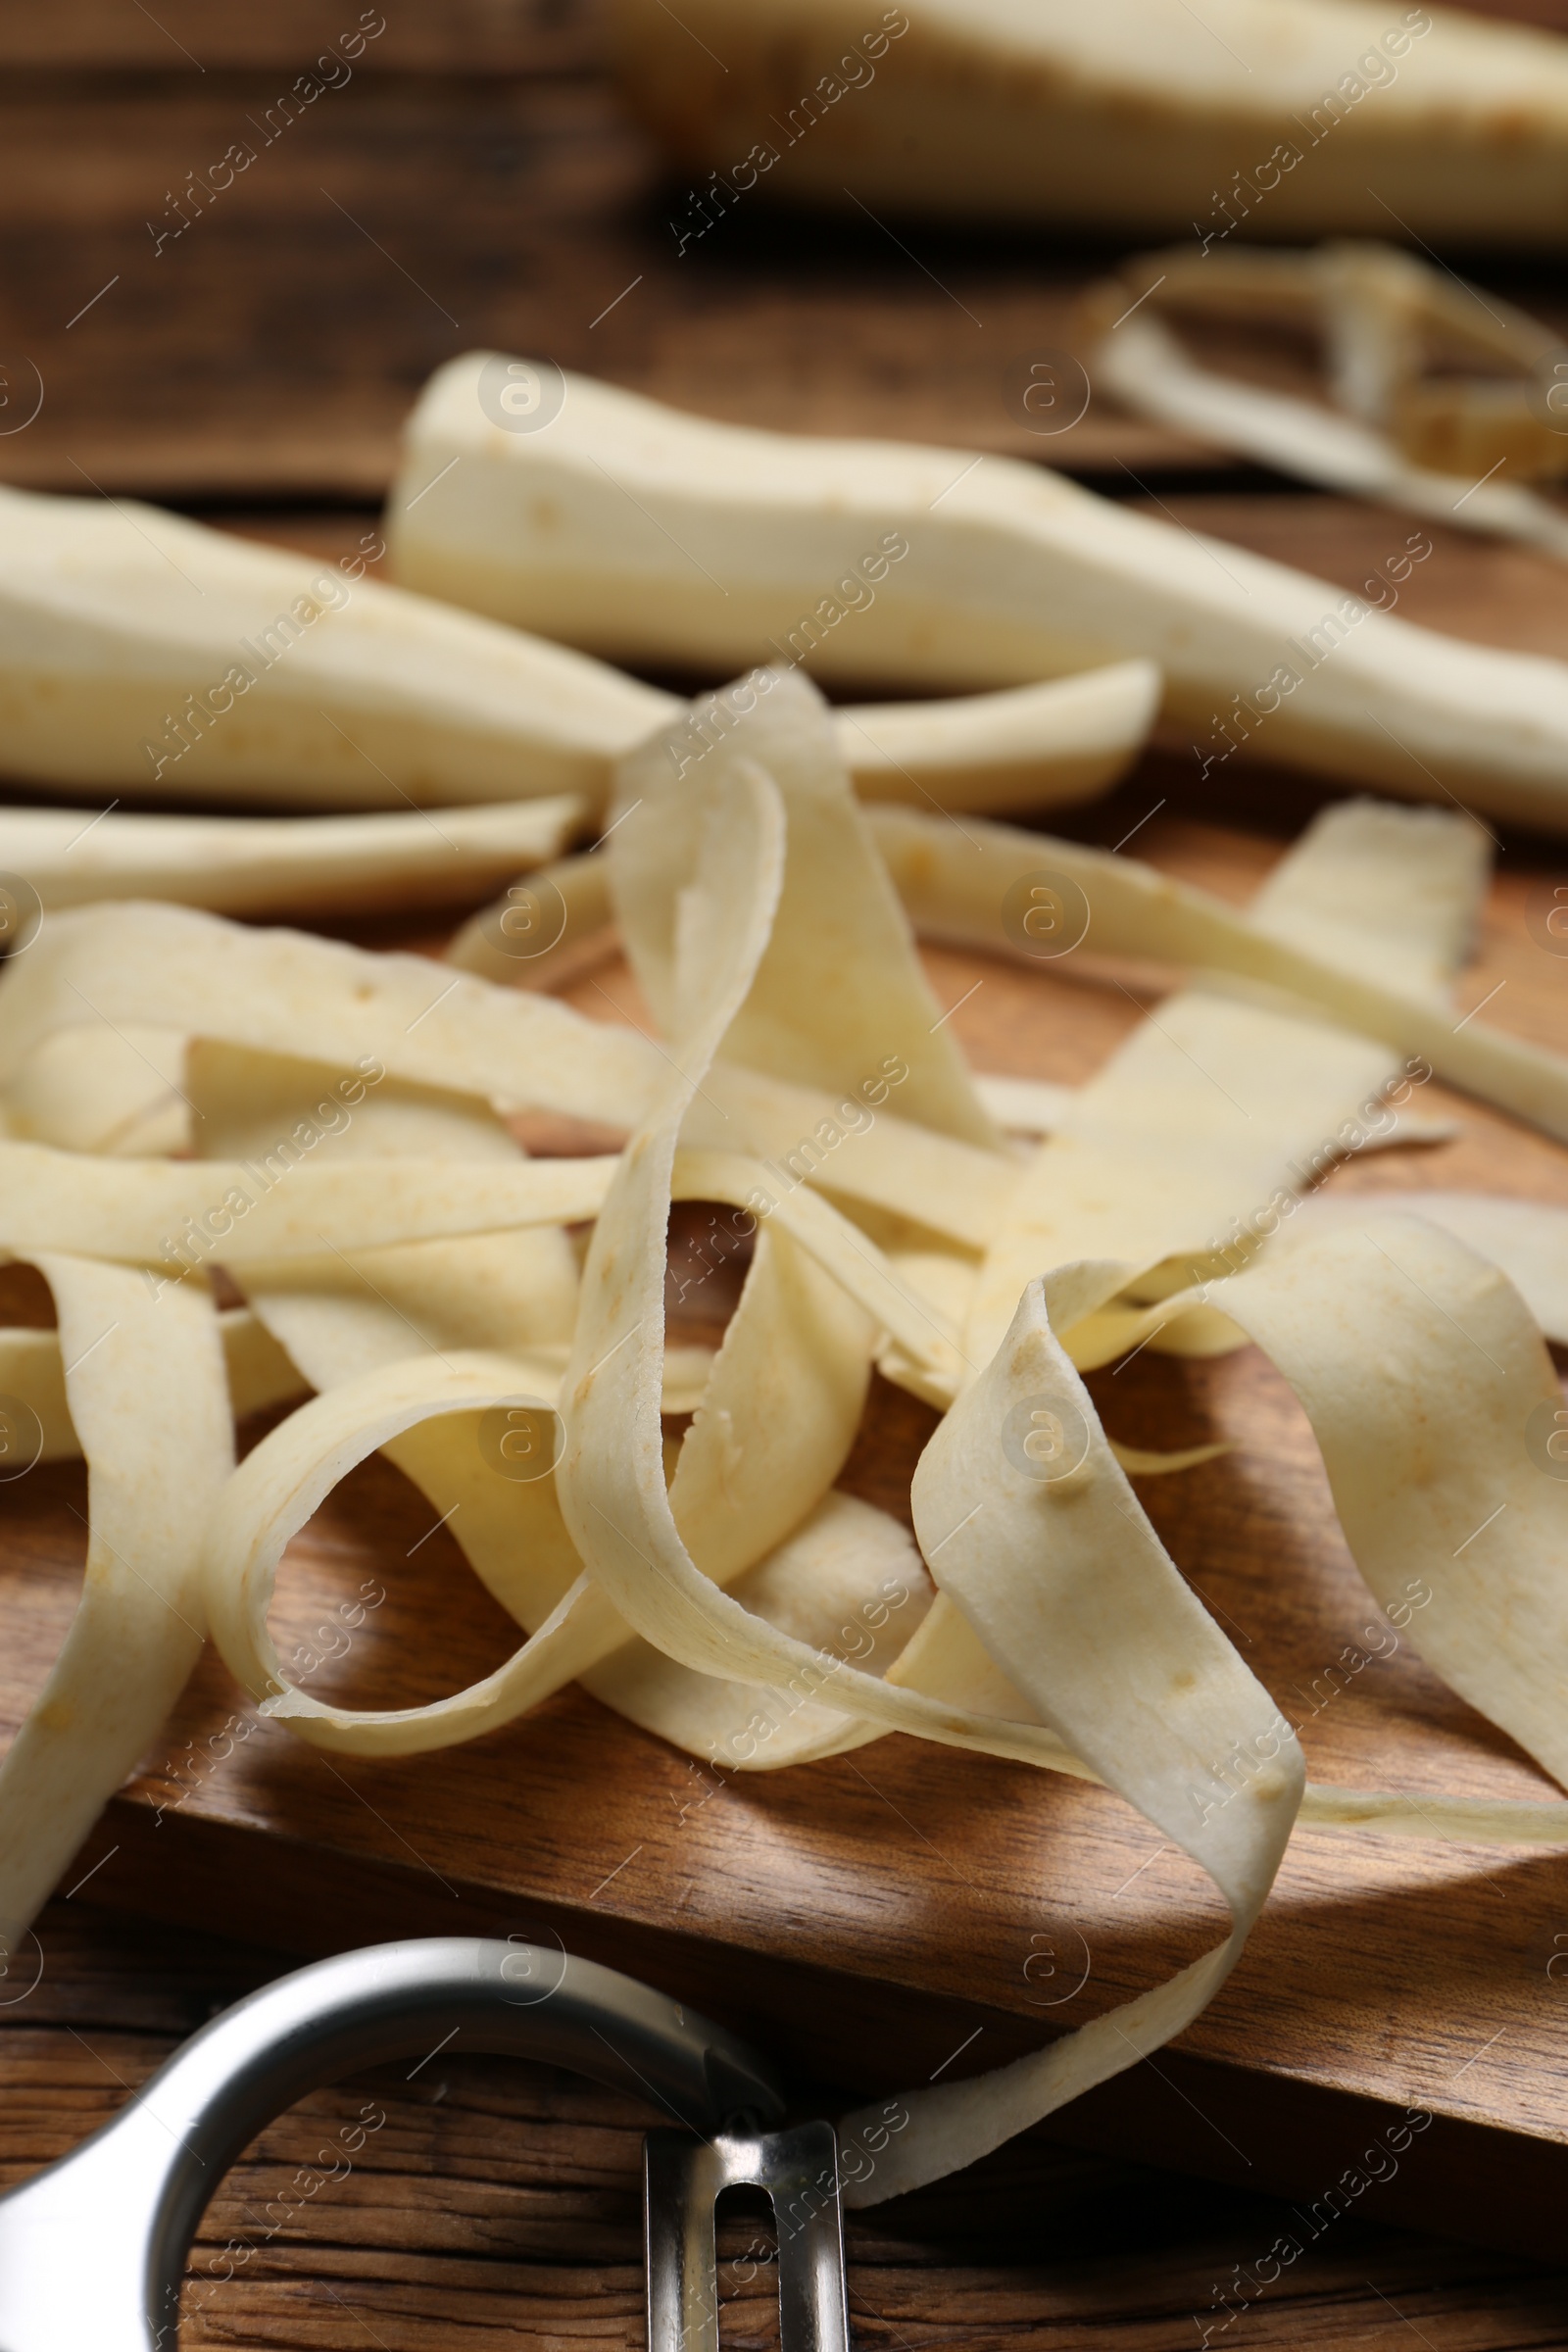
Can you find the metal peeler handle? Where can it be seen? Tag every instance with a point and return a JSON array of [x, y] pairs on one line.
[[92, 2251]]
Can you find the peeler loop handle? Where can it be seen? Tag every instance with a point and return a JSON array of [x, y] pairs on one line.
[[92, 2251]]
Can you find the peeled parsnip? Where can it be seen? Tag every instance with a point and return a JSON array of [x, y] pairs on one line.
[[150, 656], [153, 656], [647, 535], [1278, 117]]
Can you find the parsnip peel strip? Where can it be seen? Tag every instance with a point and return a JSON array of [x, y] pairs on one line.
[[1377, 310], [175, 1213], [32, 1372], [1065, 1579], [1134, 911], [839, 999], [254, 866], [1243, 1104], [284, 1480], [1423, 1405], [1528, 1240], [141, 1621]]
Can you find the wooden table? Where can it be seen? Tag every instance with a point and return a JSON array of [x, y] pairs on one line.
[[498, 2205], [475, 183]]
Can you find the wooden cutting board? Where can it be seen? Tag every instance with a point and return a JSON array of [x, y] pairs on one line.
[[910, 1912]]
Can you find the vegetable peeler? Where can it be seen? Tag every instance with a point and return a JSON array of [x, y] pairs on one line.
[[92, 2250]]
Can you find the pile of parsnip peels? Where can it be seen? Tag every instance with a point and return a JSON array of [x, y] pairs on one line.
[[329, 1126]]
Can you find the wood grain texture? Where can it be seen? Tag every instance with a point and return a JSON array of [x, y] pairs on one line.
[[498, 2204], [186, 37], [275, 342], [473, 181]]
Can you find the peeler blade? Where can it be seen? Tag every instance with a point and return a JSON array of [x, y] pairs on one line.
[[683, 2180]]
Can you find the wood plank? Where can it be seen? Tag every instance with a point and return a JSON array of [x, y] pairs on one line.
[[499, 2203], [464, 37], [493, 192], [274, 345]]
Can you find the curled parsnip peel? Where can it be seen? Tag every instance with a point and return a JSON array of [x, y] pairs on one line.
[[1415, 1453], [254, 866], [1435, 447], [289, 1475], [839, 999], [1422, 1404], [612, 1476], [1067, 1581], [1135, 910], [726, 916], [358, 1314], [1526, 1240], [156, 657], [637, 532], [141, 1621], [1245, 1106], [1127, 117], [779, 1404], [780, 1413]]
